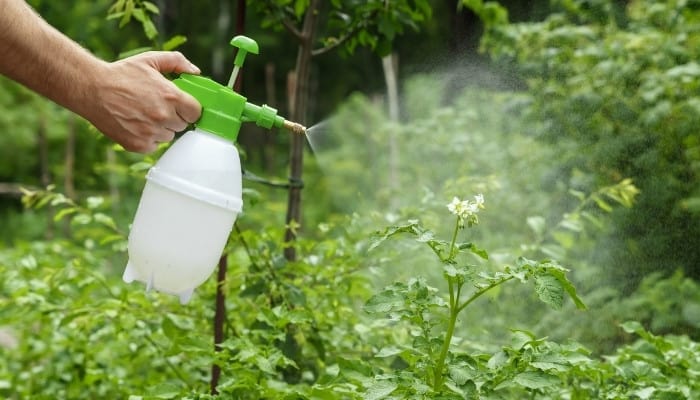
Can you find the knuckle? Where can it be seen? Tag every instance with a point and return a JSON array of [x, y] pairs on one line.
[[160, 115]]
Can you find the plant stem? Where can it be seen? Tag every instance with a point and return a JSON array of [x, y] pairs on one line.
[[454, 311], [480, 292], [169, 363], [440, 364], [451, 255]]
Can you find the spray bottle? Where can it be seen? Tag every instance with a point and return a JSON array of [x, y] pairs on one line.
[[193, 193]]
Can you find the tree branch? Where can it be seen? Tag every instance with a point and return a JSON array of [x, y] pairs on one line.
[[14, 189], [289, 26], [344, 38], [286, 22], [326, 49]]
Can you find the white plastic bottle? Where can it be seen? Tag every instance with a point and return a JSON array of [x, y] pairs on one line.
[[187, 210]]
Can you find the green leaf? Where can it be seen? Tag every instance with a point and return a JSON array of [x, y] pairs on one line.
[[170, 330], [152, 8], [116, 6], [474, 5], [139, 15], [455, 389], [388, 352], [520, 338], [140, 166], [566, 284], [691, 204], [536, 379], [602, 204], [149, 28], [105, 220], [384, 302], [581, 196], [300, 7], [380, 237], [645, 393], [497, 360], [572, 223], [566, 240], [166, 391], [632, 327], [460, 374], [555, 362], [537, 224], [173, 43], [115, 15], [380, 390], [126, 15], [475, 250], [549, 290], [463, 271], [64, 212], [386, 26], [82, 219], [111, 239]]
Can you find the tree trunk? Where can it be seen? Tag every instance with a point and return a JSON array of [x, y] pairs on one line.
[[69, 166], [271, 98], [69, 163], [298, 114], [389, 64], [219, 69], [112, 178], [220, 306], [44, 172]]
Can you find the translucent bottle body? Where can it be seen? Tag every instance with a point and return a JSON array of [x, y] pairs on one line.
[[189, 204]]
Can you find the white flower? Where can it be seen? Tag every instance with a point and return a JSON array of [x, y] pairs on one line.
[[479, 201], [454, 205], [465, 209]]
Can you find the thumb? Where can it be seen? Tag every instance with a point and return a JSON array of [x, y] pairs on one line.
[[171, 61]]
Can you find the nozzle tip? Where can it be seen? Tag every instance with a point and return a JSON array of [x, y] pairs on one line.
[[295, 127]]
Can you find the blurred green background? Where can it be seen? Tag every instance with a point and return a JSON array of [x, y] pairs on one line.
[[577, 120]]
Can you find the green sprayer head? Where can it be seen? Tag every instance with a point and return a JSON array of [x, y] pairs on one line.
[[223, 109]]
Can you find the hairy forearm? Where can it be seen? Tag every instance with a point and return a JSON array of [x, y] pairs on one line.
[[128, 100], [35, 54]]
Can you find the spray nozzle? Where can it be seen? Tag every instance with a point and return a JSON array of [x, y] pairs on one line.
[[223, 109], [295, 127]]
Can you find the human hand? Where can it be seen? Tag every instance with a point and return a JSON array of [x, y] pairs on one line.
[[136, 106]]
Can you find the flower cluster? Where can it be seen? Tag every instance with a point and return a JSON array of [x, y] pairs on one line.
[[466, 210]]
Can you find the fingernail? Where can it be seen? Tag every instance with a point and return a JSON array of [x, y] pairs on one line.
[[194, 69]]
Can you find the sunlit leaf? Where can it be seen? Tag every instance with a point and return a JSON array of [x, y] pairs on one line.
[[174, 42], [536, 379], [152, 8], [380, 390]]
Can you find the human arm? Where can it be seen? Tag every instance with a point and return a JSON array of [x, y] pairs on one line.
[[127, 100]]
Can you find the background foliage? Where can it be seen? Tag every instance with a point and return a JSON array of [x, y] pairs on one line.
[[575, 120]]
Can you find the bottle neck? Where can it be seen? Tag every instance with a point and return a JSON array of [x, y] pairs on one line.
[[212, 136]]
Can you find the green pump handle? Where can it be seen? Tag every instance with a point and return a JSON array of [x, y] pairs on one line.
[[223, 109]]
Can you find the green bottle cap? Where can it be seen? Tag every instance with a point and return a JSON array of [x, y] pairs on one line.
[[222, 108]]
